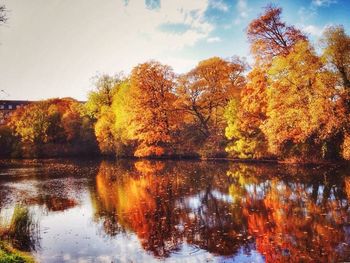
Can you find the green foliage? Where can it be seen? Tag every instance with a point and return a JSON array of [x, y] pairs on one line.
[[124, 128], [21, 235], [105, 88], [22, 230], [241, 143], [11, 255]]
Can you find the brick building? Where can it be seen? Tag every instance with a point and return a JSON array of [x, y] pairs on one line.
[[8, 106]]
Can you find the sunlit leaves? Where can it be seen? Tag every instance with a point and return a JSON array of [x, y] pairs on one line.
[[270, 37], [301, 99], [245, 117], [346, 149], [337, 52], [104, 130], [205, 91], [153, 108], [51, 122], [105, 88]]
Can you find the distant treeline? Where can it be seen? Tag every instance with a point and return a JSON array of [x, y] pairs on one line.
[[292, 104]]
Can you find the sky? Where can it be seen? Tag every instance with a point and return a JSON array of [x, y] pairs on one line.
[[54, 48]]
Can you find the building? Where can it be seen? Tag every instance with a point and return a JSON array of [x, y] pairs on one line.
[[8, 106]]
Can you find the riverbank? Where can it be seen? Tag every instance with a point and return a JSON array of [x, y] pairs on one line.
[[8, 254], [12, 162]]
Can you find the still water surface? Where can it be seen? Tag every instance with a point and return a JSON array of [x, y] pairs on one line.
[[178, 211]]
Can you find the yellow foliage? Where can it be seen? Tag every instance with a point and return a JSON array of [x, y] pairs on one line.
[[302, 100]]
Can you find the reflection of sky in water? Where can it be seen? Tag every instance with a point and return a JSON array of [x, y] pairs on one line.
[[194, 202], [258, 190], [221, 196], [72, 236]]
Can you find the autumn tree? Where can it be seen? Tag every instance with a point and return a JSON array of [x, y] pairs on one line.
[[114, 127], [124, 127], [302, 109], [104, 131], [8, 142], [30, 123], [269, 36], [105, 87], [244, 142], [52, 122], [99, 107], [205, 91], [245, 116], [337, 52], [152, 87], [234, 132]]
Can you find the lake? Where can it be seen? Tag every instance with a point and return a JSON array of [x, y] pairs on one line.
[[177, 211]]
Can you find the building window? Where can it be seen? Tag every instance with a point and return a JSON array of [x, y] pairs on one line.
[[2, 107], [10, 107]]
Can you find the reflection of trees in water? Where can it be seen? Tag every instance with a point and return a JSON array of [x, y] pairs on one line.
[[292, 214], [301, 216], [166, 205], [53, 203], [56, 185], [347, 187], [22, 231], [52, 185]]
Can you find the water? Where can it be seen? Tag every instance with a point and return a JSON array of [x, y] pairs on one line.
[[178, 211]]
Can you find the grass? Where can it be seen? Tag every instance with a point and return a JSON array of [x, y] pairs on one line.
[[19, 236], [22, 229], [8, 254]]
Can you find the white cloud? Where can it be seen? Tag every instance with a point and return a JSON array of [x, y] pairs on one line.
[[323, 2], [309, 12], [243, 10], [140, 21], [313, 30], [180, 65], [242, 7], [213, 39], [306, 13], [219, 5], [61, 55]]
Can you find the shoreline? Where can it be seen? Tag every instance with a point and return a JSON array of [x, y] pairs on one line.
[[177, 158]]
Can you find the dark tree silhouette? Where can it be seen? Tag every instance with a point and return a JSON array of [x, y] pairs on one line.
[[3, 17]]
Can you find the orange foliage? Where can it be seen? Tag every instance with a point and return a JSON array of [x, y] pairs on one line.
[[205, 90], [270, 37], [153, 201], [54, 121], [289, 220], [151, 88]]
